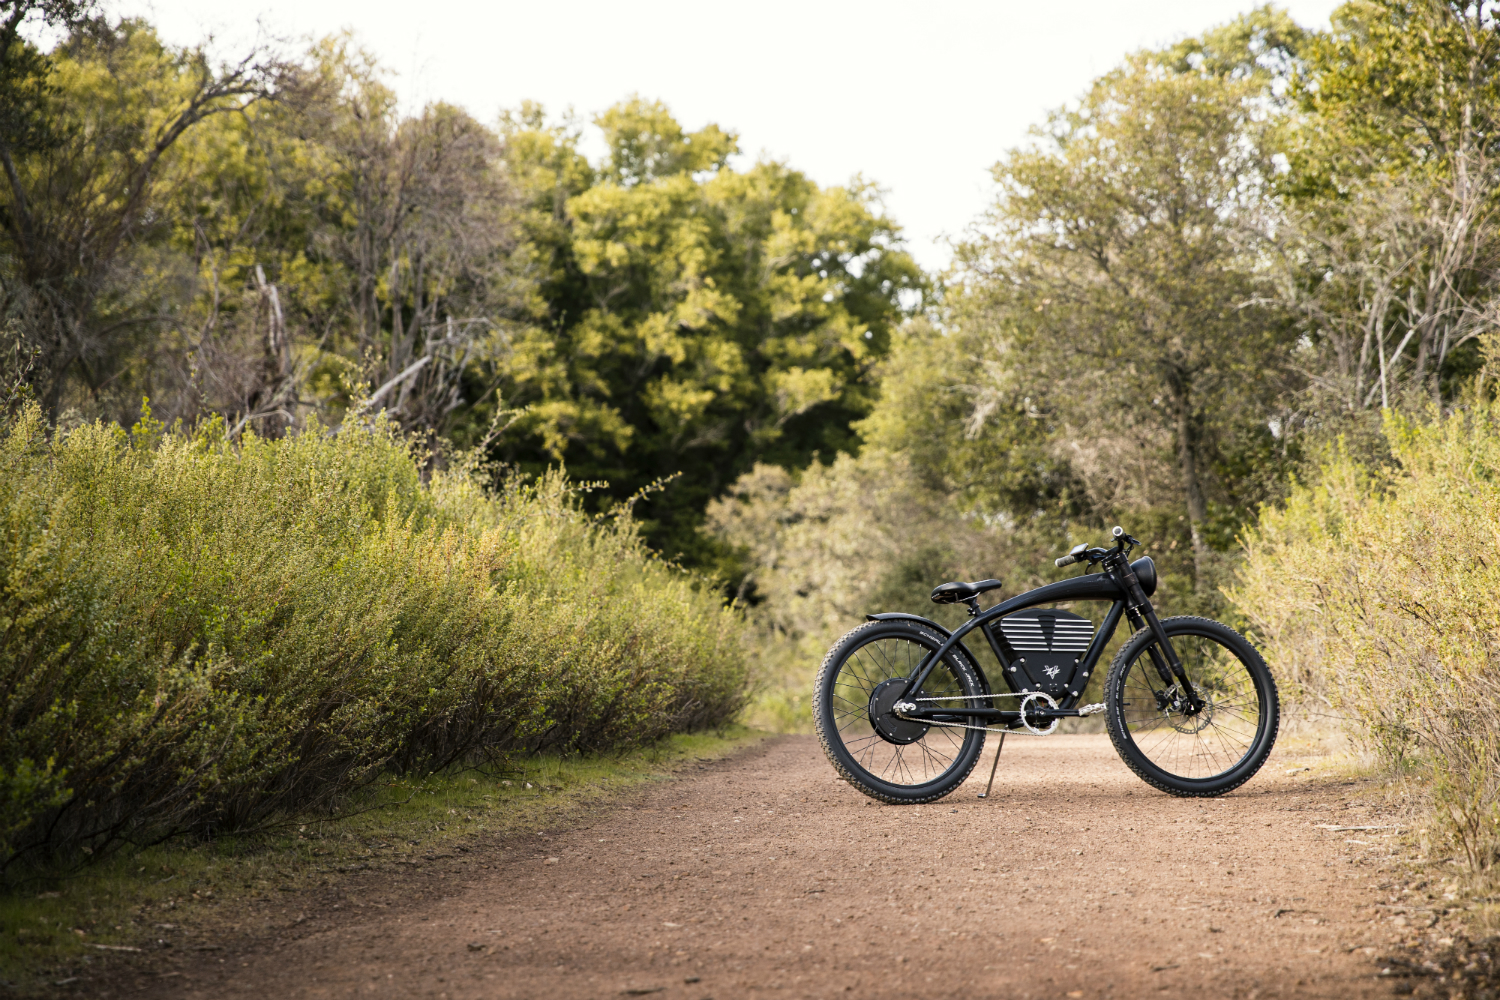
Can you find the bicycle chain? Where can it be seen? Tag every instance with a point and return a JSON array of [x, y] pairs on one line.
[[1025, 696]]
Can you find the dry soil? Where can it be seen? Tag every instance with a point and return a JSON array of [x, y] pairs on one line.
[[764, 876]]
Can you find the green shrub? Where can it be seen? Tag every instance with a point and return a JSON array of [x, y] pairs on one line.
[[1377, 592], [199, 635]]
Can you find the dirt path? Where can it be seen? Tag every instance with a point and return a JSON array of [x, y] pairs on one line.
[[763, 876]]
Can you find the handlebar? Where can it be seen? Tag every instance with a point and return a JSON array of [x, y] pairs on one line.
[[1082, 553]]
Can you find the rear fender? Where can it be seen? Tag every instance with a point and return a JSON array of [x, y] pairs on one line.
[[984, 681]]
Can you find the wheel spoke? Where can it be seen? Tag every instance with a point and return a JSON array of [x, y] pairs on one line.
[[936, 752], [1210, 742]]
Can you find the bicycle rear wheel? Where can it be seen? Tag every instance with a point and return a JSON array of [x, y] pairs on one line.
[[1203, 753], [888, 758]]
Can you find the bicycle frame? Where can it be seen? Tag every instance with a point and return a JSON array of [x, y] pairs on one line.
[[1128, 599]]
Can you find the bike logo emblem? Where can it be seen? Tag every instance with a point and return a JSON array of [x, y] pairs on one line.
[[1053, 672]]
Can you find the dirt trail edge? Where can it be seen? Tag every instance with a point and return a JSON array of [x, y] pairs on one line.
[[764, 876]]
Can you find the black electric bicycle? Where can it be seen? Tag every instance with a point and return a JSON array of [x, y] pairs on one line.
[[902, 707]]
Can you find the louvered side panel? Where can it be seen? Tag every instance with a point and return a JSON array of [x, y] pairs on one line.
[[1026, 635], [1072, 637]]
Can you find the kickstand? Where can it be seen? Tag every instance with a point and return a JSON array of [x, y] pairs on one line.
[[986, 793]]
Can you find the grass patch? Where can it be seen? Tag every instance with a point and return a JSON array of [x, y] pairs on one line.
[[53, 927]]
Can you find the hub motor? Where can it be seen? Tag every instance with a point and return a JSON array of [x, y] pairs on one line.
[[883, 717]]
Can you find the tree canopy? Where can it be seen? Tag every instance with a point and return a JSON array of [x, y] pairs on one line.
[[1224, 254], [697, 318], [1120, 274], [259, 239]]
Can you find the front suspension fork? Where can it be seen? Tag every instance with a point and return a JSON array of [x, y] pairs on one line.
[[1163, 656]]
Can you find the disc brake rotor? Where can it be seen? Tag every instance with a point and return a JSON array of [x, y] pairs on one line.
[[1198, 721]]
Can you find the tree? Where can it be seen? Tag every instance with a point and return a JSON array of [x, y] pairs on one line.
[[272, 253], [1393, 195], [698, 318], [1122, 276], [24, 125], [938, 408], [422, 221], [77, 203]]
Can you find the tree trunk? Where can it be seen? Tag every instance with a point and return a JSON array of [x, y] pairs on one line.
[[1192, 485], [1424, 351]]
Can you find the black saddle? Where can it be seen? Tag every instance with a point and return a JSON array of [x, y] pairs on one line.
[[952, 593]]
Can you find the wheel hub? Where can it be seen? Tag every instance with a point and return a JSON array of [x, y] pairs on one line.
[[883, 715], [1182, 714], [1195, 722]]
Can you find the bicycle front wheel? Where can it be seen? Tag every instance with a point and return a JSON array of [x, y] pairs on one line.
[[891, 759], [1193, 754]]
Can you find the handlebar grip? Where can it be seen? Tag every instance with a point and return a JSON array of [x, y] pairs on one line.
[[1062, 561]]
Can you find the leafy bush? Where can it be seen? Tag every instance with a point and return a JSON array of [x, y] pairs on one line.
[[836, 542], [1377, 591], [196, 634]]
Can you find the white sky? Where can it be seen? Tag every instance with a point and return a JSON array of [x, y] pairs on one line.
[[921, 98]]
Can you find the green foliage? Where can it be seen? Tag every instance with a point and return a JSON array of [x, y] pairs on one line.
[[1224, 254], [1374, 591], [1187, 281], [646, 143], [1391, 206], [991, 453], [1122, 280], [82, 221], [176, 236], [931, 497], [698, 318], [835, 542], [1396, 86], [657, 313], [1264, 46], [197, 635]]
